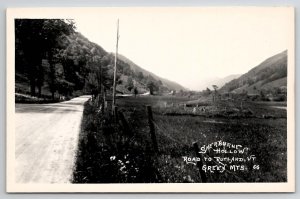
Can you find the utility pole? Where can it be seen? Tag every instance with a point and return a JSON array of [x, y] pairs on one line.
[[115, 70]]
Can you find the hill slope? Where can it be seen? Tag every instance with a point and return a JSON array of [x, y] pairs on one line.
[[128, 71], [269, 75], [78, 65], [219, 81], [137, 69]]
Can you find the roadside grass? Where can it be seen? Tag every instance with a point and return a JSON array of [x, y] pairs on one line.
[[255, 125], [27, 99], [23, 95], [107, 154]]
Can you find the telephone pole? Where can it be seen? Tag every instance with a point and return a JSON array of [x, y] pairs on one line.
[[115, 70]]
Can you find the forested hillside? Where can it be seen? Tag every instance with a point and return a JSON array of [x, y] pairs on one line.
[[268, 77], [141, 73], [53, 60]]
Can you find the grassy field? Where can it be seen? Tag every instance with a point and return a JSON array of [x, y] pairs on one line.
[[125, 153]]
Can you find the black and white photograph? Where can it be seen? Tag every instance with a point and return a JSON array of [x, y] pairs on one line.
[[157, 99]]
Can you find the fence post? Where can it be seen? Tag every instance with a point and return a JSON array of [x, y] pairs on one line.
[[152, 130], [115, 111], [102, 104], [199, 163], [125, 124], [98, 100]]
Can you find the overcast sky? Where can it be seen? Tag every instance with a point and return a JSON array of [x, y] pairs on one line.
[[190, 46]]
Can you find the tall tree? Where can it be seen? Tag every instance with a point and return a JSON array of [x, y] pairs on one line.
[[27, 41], [35, 40], [152, 87], [215, 87]]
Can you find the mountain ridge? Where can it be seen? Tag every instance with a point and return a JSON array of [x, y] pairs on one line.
[[268, 75], [219, 81], [136, 68]]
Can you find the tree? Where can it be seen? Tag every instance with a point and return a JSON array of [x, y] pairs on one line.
[[140, 76], [37, 39], [64, 88], [81, 58], [92, 83], [40, 77], [152, 87], [135, 91], [27, 42], [250, 81], [129, 84], [208, 90], [49, 51], [215, 87]]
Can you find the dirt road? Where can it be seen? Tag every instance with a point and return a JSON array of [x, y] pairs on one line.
[[46, 140]]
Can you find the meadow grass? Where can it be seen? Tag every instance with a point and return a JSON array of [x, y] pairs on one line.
[[258, 126]]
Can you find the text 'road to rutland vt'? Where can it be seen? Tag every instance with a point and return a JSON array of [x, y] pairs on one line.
[[150, 97]]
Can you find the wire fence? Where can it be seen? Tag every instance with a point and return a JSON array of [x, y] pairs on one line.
[[163, 131]]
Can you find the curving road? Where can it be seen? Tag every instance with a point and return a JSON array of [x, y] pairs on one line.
[[46, 140]]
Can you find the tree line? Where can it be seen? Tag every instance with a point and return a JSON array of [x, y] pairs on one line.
[[50, 54]]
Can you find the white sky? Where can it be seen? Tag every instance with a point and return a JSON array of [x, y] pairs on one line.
[[189, 45]]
